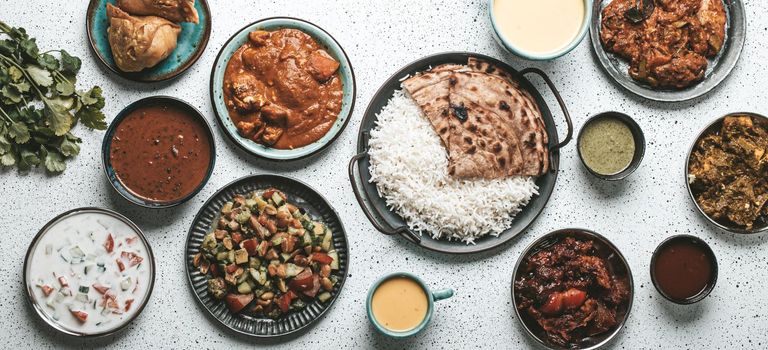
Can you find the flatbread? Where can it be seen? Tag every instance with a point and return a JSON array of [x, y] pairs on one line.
[[489, 126], [529, 109]]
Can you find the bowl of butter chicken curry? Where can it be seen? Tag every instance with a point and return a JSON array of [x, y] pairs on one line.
[[282, 88]]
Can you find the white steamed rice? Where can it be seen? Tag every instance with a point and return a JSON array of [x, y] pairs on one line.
[[409, 166]]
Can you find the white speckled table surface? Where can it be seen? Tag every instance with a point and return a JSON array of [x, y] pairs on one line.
[[380, 37]]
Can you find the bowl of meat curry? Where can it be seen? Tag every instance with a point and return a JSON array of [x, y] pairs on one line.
[[282, 88], [727, 173]]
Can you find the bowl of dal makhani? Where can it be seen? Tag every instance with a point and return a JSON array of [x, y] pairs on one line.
[[539, 30]]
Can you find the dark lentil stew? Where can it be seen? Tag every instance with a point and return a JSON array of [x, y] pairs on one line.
[[160, 153]]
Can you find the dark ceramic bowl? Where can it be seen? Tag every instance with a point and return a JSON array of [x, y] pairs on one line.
[[190, 45], [637, 134], [710, 254], [617, 266], [762, 224], [31, 296], [107, 144]]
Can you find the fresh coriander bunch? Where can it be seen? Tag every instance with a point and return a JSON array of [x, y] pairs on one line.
[[39, 104]]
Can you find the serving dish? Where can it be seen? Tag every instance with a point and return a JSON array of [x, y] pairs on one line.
[[191, 44], [303, 196], [717, 70], [712, 260], [389, 223], [712, 127], [333, 48], [509, 46], [618, 266], [110, 173], [28, 288], [637, 134]]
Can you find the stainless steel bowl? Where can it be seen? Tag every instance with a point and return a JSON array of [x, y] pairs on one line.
[[637, 135], [712, 127], [28, 288], [617, 265]]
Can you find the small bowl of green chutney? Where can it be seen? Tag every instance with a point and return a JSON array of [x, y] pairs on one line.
[[611, 145]]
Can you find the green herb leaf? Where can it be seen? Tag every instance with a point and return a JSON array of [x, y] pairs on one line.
[[7, 47], [54, 162], [41, 76], [68, 147], [30, 135], [65, 88], [69, 64], [29, 157], [59, 117], [11, 94], [19, 132], [8, 159], [15, 74], [28, 48], [92, 97], [92, 118], [48, 62], [5, 144]]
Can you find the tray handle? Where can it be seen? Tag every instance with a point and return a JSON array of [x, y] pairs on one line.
[[569, 134], [357, 188]]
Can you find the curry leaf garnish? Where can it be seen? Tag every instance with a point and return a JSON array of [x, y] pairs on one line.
[[40, 104]]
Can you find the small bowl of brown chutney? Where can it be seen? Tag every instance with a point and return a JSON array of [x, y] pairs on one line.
[[684, 269], [611, 145], [158, 152]]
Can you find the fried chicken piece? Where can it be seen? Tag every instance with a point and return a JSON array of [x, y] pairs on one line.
[[172, 10]]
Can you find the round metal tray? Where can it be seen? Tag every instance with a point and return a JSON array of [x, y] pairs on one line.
[[717, 70], [388, 222], [714, 126], [302, 196], [28, 288], [617, 265]]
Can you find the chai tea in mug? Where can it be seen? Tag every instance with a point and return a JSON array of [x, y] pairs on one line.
[[399, 304]]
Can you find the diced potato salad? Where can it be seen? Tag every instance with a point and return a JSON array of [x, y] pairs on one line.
[[267, 257]]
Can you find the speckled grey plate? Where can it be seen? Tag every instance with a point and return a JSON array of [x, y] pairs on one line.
[[190, 45], [388, 222], [717, 70], [302, 196]]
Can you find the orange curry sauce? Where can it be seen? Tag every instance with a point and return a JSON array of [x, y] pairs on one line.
[[282, 89]]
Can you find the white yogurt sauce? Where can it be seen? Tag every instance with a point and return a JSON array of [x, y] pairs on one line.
[[71, 273]]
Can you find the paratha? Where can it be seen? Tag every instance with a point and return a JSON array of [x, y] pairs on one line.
[[490, 127]]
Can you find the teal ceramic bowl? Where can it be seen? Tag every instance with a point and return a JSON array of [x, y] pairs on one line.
[[432, 297], [190, 46], [332, 47], [509, 46]]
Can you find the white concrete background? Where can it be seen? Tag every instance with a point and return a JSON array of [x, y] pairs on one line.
[[380, 37]]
